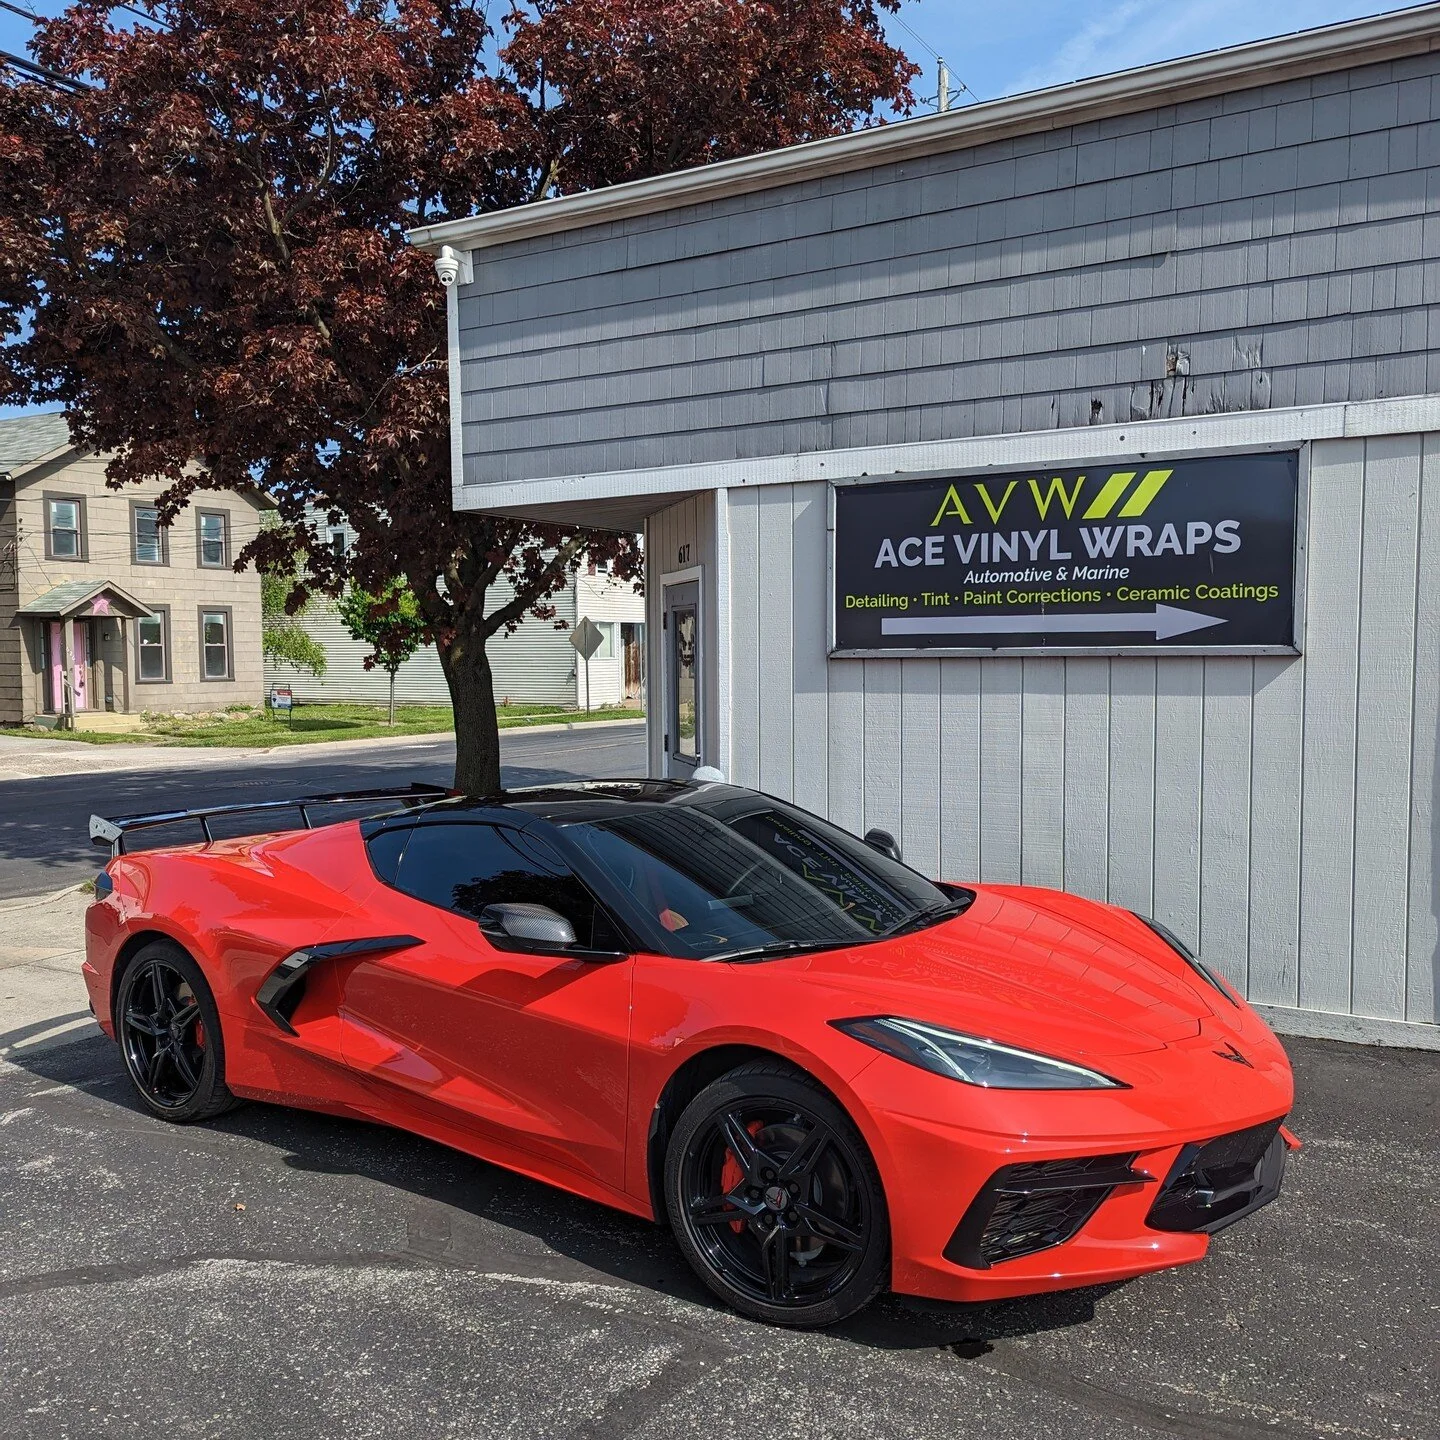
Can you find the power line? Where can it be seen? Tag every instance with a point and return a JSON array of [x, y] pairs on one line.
[[39, 72]]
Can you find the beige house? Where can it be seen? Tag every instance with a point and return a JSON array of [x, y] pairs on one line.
[[104, 613]]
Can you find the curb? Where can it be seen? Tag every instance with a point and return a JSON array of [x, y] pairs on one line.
[[29, 902]]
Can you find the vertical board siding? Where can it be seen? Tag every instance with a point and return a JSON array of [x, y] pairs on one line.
[[1129, 836], [1277, 811], [1382, 755], [1179, 741], [808, 601], [777, 640], [1327, 814], [1042, 773], [747, 636], [920, 774], [1277, 747], [1086, 766], [1225, 815], [1422, 945], [958, 793], [1001, 708]]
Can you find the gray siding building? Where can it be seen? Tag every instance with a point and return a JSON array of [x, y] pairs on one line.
[[1233, 254]]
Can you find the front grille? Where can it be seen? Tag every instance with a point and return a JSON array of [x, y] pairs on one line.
[[1214, 1184], [1035, 1206]]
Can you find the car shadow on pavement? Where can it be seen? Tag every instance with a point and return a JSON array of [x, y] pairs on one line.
[[431, 1205]]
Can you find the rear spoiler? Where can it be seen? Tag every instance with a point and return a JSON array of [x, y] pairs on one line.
[[113, 832]]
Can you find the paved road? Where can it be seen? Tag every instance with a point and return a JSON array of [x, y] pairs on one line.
[[374, 1285], [43, 820]]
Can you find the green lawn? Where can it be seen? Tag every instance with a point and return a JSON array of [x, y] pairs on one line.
[[313, 723]]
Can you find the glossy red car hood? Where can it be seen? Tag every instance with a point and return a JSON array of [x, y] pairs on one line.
[[1030, 967]]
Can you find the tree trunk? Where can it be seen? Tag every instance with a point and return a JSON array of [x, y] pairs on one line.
[[392, 697], [472, 693]]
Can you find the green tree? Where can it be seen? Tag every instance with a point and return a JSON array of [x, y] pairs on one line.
[[202, 256], [389, 622], [283, 640]]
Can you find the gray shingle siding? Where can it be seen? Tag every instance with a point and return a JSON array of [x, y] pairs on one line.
[[1282, 243]]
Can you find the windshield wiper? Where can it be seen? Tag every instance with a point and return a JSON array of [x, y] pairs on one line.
[[930, 915], [777, 948]]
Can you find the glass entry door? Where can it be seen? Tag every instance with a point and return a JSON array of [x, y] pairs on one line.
[[682, 678]]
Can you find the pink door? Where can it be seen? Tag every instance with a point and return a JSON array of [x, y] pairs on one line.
[[81, 670], [79, 666]]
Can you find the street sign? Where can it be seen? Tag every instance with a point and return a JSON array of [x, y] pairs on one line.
[[586, 637], [1140, 554]]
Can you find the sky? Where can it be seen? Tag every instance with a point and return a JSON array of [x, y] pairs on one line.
[[996, 49]]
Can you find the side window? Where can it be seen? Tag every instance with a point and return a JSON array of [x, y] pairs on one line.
[[386, 847], [465, 867]]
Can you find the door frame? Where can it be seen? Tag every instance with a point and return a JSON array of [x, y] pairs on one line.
[[661, 684]]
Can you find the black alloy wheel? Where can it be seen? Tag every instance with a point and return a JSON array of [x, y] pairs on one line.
[[169, 1034], [775, 1199]]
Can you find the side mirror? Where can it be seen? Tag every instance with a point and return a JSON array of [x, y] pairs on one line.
[[538, 924], [884, 842]]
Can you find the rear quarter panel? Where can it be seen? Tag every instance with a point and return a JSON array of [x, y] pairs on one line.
[[237, 907]]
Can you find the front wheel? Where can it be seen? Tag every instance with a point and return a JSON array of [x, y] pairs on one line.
[[775, 1199], [169, 1033]]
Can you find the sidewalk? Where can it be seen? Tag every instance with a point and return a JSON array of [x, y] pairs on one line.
[[31, 759], [42, 997], [34, 759]]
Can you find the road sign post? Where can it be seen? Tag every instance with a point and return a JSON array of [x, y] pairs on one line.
[[587, 638]]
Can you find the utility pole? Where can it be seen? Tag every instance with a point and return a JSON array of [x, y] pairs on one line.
[[944, 103]]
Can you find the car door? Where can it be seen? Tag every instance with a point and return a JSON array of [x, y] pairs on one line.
[[530, 1048]]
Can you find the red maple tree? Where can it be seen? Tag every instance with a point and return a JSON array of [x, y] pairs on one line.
[[202, 250]]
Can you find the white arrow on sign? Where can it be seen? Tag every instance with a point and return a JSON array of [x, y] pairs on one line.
[[1164, 622]]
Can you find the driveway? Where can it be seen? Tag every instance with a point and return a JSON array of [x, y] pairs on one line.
[[48, 789], [283, 1275]]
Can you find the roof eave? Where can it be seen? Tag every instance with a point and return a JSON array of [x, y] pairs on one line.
[[1305, 52], [19, 472]]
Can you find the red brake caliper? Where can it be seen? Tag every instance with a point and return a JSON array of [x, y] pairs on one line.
[[731, 1173]]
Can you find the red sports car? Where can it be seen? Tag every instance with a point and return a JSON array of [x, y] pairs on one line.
[[696, 1002]]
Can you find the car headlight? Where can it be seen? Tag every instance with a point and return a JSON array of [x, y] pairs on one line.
[[971, 1058], [1188, 956]]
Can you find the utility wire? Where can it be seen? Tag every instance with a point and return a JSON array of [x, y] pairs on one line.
[[39, 72]]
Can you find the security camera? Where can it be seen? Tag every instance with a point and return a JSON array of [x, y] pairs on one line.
[[450, 266]]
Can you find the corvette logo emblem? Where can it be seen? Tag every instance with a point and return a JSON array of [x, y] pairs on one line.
[[1231, 1053]]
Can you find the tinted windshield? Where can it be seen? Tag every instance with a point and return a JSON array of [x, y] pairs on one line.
[[701, 887]]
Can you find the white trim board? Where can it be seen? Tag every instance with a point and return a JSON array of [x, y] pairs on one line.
[[1240, 430], [1214, 72], [1355, 1029]]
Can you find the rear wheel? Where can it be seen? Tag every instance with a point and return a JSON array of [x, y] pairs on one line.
[[775, 1200], [169, 1033]]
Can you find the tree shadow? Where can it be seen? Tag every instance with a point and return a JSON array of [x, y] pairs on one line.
[[462, 1212]]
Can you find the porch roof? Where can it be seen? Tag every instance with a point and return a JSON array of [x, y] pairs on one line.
[[84, 599]]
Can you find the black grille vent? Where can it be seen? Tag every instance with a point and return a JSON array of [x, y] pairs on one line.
[[1036, 1206], [1215, 1184]]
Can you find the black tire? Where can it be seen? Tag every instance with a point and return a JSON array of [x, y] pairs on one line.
[[169, 1034], [775, 1200]]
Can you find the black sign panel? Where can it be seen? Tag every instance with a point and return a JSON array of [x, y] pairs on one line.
[[1122, 555]]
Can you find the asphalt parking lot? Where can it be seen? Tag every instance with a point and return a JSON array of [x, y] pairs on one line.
[[282, 1275]]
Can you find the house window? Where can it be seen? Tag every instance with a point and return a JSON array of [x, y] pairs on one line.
[[64, 527], [338, 545], [214, 539], [215, 654], [147, 535], [152, 646], [607, 640]]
